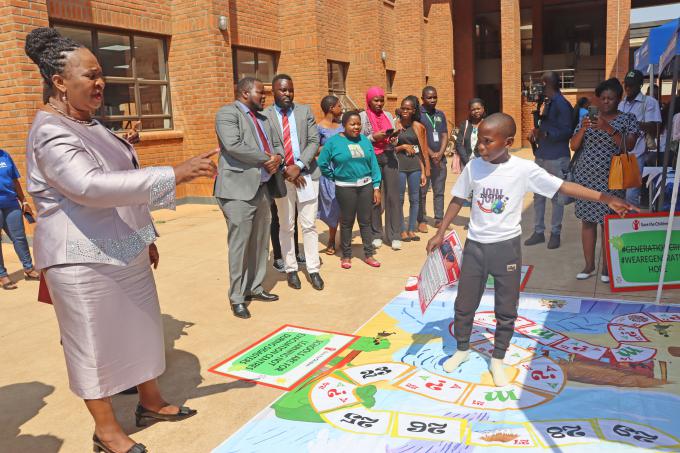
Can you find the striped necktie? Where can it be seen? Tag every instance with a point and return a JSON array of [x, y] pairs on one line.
[[287, 144]]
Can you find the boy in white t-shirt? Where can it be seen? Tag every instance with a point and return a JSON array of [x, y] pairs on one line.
[[498, 182]]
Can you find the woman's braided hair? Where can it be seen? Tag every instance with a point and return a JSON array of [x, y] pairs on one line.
[[48, 49]]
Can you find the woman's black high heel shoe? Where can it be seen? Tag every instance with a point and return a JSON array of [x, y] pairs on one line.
[[141, 413], [98, 446]]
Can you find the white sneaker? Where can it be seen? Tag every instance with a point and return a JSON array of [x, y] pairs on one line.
[[604, 278], [396, 245], [377, 243]]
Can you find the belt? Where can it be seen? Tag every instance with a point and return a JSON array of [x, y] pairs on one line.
[[358, 183]]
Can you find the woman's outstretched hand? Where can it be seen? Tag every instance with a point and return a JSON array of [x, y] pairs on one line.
[[201, 166]]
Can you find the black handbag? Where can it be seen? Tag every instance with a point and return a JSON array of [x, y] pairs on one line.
[[569, 177], [277, 185]]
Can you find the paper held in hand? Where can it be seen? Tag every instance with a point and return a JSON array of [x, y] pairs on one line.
[[441, 268]]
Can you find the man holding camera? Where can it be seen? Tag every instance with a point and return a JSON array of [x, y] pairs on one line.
[[552, 154], [646, 110]]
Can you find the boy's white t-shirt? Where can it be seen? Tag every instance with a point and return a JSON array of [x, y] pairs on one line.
[[497, 195]]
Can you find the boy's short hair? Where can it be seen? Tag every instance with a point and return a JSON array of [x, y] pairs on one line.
[[502, 122]]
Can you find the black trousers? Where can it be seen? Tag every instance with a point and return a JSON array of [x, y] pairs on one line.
[[503, 260], [274, 231], [355, 203]]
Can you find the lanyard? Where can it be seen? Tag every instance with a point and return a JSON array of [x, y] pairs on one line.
[[431, 119]]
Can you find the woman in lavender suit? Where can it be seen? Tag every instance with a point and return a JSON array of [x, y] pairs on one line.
[[94, 240]]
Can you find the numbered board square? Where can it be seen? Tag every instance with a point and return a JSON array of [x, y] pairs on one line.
[[332, 393], [510, 397], [635, 434], [627, 353], [666, 316], [582, 348], [427, 427], [513, 356], [541, 335], [375, 372], [541, 374], [491, 434], [626, 333], [633, 320], [434, 386], [360, 420], [562, 433]]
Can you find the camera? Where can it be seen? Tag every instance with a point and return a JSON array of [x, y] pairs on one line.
[[534, 92]]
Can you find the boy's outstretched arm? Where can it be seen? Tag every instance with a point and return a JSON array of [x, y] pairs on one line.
[[621, 207], [450, 214]]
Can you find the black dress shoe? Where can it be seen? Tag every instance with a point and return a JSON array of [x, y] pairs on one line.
[[554, 241], [293, 280], [536, 238], [240, 311], [317, 281], [264, 296]]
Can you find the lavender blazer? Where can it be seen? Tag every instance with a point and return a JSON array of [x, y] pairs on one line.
[[92, 200]]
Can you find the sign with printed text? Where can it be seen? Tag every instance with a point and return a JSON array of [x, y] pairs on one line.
[[441, 268], [635, 246], [285, 357]]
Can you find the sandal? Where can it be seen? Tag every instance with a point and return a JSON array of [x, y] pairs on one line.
[[98, 446], [9, 284], [330, 250], [372, 262], [31, 275], [142, 413], [346, 263], [412, 236]]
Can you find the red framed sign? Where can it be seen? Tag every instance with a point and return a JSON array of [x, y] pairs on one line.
[[635, 245], [286, 357]]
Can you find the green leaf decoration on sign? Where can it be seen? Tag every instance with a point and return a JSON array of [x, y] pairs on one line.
[[617, 242]]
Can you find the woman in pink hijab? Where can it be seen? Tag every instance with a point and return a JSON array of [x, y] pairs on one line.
[[378, 125]]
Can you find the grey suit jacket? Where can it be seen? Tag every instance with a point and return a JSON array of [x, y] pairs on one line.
[[241, 159], [307, 132]]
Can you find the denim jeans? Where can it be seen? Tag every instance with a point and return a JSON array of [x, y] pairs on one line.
[[437, 180], [633, 195], [413, 179], [556, 167], [12, 221]]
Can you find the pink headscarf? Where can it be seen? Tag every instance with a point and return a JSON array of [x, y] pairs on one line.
[[379, 121]]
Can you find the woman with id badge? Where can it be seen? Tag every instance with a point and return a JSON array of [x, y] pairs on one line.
[[412, 154], [348, 159]]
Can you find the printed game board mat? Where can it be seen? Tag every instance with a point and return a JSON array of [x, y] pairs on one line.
[[585, 376]]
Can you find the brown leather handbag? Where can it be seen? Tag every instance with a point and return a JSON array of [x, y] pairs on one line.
[[624, 172]]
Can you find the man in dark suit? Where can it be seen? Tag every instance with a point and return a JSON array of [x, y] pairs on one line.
[[295, 126], [250, 154]]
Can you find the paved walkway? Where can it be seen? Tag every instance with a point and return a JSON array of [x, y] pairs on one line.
[[40, 414]]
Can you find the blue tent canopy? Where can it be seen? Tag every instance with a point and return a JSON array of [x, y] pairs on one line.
[[654, 46], [672, 51]]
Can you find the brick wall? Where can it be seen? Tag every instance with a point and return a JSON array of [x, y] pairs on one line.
[[618, 38], [511, 74], [307, 34]]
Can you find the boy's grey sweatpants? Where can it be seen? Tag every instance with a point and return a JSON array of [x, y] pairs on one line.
[[503, 260]]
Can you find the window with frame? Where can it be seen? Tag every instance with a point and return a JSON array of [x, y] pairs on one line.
[[389, 80], [337, 75], [136, 73], [254, 63]]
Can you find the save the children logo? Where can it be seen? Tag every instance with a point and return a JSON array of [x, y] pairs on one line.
[[492, 201], [636, 225]]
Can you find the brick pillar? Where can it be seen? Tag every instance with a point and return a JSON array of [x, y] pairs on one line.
[[201, 78], [618, 38], [302, 56], [537, 35], [365, 68], [410, 62], [464, 57], [511, 62], [21, 86], [439, 55]]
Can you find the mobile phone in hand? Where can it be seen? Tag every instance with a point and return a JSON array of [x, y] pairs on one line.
[[389, 132], [593, 113]]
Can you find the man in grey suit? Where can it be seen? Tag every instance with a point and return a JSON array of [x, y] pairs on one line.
[[295, 127], [250, 154]]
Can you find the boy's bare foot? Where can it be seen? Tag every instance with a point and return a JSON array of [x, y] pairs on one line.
[[456, 360], [498, 373]]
